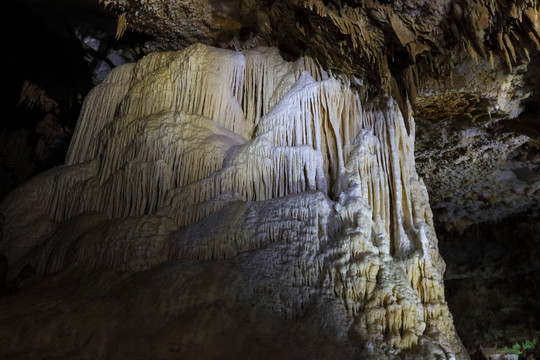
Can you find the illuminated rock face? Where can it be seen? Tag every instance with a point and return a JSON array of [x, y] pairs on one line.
[[273, 183]]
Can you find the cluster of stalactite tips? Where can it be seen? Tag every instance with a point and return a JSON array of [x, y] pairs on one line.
[[280, 168]]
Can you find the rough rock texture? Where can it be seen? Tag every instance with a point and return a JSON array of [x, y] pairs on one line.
[[297, 205], [478, 151]]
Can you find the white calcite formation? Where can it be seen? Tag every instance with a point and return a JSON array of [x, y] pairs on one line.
[[278, 172]]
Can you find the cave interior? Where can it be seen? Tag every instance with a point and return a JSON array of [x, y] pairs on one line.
[[467, 72]]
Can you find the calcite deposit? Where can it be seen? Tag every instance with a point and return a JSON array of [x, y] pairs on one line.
[[229, 204]]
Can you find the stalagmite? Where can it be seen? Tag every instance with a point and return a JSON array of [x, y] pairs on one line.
[[278, 169]]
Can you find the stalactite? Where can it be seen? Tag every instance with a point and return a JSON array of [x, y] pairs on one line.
[[248, 153], [99, 110]]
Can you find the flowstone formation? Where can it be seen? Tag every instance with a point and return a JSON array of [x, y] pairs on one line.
[[234, 205]]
